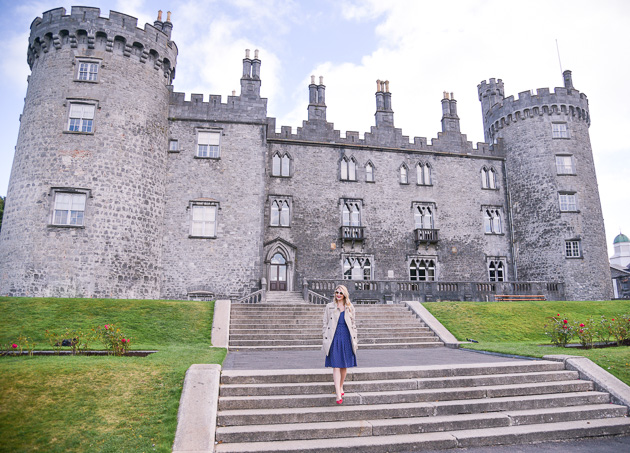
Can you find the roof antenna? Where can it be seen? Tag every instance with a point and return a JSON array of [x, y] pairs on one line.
[[558, 50]]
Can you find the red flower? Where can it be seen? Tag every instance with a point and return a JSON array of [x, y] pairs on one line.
[[581, 331], [14, 346], [581, 325], [124, 340], [558, 314], [106, 326], [565, 321], [613, 319], [565, 327]]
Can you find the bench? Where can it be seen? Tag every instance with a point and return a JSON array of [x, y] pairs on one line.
[[518, 297]]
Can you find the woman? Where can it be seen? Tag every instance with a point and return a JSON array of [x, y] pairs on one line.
[[340, 338]]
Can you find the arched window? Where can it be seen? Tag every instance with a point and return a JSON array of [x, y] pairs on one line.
[[488, 178], [492, 221], [286, 165], [348, 169], [369, 172], [276, 165], [404, 178], [424, 174], [357, 268], [351, 213], [496, 271], [423, 217], [422, 269], [280, 213]]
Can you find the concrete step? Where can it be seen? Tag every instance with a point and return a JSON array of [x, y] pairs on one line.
[[318, 346], [297, 336], [411, 425], [275, 324], [366, 332], [440, 440], [383, 343]]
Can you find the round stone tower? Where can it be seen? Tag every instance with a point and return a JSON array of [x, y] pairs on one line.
[[85, 204], [557, 220]]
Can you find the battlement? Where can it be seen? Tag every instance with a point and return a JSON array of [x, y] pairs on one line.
[[119, 33], [499, 112], [237, 108]]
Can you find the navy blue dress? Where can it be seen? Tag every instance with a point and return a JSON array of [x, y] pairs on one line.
[[341, 354]]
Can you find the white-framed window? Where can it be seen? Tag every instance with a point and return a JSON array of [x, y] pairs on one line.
[[488, 178], [572, 248], [492, 220], [280, 214], [496, 270], [369, 172], [351, 213], [68, 207], [568, 202], [87, 70], [281, 165], [423, 173], [81, 117], [564, 165], [348, 170], [559, 130], [404, 174], [357, 267], [203, 219], [209, 144], [173, 145], [423, 215], [422, 269]]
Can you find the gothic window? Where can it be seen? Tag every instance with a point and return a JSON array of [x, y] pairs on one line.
[[422, 269], [280, 212], [351, 213], [203, 220], [81, 117], [281, 165], [568, 202], [208, 144], [559, 130], [496, 270], [492, 221], [87, 71], [69, 208], [348, 169], [423, 216], [564, 165], [423, 172], [357, 268], [369, 172], [572, 248], [404, 174], [488, 178]]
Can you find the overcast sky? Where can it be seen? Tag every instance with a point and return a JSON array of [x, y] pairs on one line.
[[422, 47]]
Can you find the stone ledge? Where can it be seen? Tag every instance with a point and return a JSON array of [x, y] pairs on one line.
[[221, 324], [436, 326]]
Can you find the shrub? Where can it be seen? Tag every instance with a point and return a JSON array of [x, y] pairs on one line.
[[620, 328], [559, 330], [76, 339], [113, 339], [586, 332]]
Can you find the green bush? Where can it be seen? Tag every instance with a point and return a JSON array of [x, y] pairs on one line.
[[559, 330]]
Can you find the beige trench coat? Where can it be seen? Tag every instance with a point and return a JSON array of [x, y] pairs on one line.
[[331, 318]]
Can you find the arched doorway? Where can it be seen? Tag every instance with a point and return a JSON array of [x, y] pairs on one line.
[[278, 273]]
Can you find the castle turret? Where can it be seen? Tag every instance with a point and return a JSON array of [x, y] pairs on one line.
[[557, 218], [85, 200]]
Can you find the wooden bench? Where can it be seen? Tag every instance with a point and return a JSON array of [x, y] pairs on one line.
[[518, 297]]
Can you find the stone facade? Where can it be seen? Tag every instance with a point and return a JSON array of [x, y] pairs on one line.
[[205, 199]]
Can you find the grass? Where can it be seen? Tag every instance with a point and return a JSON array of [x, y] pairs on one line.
[[517, 328], [99, 404]]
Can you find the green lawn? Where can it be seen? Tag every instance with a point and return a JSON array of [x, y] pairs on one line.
[[517, 328], [99, 404]]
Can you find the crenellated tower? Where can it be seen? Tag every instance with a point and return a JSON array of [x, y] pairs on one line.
[[554, 198], [85, 203]]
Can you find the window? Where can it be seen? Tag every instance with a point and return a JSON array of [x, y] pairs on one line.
[[572, 249], [280, 213], [422, 269], [348, 169], [568, 202], [564, 165], [496, 270], [81, 117], [559, 130], [488, 178], [281, 165], [369, 172], [492, 221], [357, 268], [88, 70], [173, 146], [203, 220], [424, 174], [208, 143], [351, 213], [423, 216], [69, 208], [404, 179]]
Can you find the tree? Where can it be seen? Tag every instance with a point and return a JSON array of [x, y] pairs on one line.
[[1, 210]]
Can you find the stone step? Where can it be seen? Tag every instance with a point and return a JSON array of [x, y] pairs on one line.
[[559, 401], [253, 323], [298, 338], [368, 343], [451, 439], [411, 372], [291, 347], [395, 384], [411, 425], [367, 332], [408, 396]]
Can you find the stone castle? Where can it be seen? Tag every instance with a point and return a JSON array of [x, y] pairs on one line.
[[120, 187]]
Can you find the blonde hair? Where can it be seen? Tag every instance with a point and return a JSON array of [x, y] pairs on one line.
[[346, 296]]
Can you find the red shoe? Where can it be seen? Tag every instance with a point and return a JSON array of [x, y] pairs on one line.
[[340, 401], [342, 394]]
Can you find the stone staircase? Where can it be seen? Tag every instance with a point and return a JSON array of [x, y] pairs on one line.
[[411, 408], [288, 323]]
